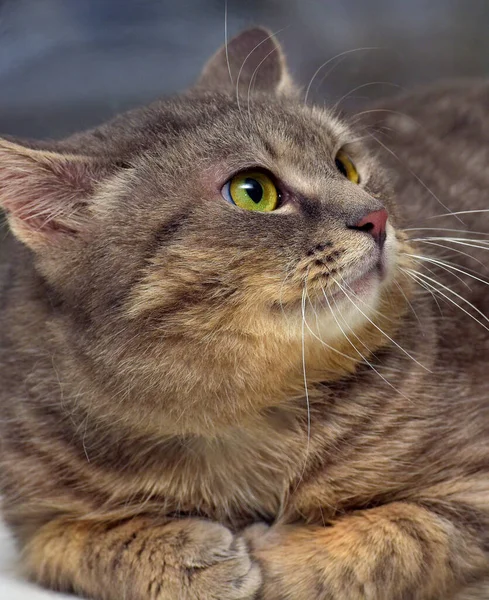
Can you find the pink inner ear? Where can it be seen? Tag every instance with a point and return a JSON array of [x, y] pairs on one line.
[[44, 194], [36, 204]]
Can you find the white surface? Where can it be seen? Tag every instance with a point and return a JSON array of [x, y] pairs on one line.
[[11, 586]]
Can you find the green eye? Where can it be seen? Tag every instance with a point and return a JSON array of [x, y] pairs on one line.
[[252, 190], [346, 167]]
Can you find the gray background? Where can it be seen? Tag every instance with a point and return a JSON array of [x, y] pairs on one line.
[[69, 64]]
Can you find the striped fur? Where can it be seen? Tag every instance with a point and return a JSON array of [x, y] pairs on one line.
[[178, 419]]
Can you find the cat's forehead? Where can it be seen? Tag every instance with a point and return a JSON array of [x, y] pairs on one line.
[[281, 125], [282, 136]]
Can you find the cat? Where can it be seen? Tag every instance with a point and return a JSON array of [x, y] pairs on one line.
[[231, 366]]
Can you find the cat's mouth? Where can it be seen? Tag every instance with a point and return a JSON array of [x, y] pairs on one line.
[[352, 282], [351, 286], [360, 285], [358, 278], [356, 287]]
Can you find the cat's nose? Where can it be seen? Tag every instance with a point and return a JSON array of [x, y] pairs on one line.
[[374, 223]]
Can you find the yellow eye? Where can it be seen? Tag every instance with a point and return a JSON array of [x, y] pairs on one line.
[[252, 190], [346, 167]]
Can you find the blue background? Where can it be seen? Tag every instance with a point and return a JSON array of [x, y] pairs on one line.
[[69, 64]]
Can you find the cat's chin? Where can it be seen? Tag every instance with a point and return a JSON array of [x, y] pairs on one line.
[[358, 293], [365, 285], [344, 312]]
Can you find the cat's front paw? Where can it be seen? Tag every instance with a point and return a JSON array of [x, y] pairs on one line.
[[219, 566]]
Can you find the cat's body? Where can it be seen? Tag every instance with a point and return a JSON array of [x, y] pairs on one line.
[[118, 453]]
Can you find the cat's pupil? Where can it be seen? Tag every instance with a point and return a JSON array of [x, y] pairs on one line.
[[341, 167], [253, 189]]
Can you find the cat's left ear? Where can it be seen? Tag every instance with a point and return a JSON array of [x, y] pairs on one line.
[[47, 195], [253, 60]]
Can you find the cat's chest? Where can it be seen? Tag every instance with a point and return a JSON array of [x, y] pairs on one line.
[[265, 473], [246, 481], [271, 471], [246, 478]]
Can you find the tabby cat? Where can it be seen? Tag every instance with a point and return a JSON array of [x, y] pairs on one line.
[[243, 345]]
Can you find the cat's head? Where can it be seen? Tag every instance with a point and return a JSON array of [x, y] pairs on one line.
[[207, 250]]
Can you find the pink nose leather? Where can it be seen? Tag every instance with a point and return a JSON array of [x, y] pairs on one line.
[[375, 224]]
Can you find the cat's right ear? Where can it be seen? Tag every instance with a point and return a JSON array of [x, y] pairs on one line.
[[47, 195], [253, 60]]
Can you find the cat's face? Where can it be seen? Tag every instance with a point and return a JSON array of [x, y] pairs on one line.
[[239, 227], [258, 258]]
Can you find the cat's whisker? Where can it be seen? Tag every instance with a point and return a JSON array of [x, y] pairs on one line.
[[367, 362], [318, 338], [316, 316], [378, 328], [351, 330], [408, 302], [447, 265], [357, 116], [341, 328], [448, 289], [452, 238], [423, 286], [326, 63], [288, 273], [364, 85], [252, 79], [376, 311], [368, 127], [431, 243], [446, 229], [226, 40], [308, 404], [358, 139], [329, 71], [480, 244], [467, 269], [429, 269], [331, 347], [245, 60], [434, 283], [459, 212], [418, 179], [368, 130]]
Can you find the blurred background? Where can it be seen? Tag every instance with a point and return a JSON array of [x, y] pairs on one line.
[[70, 64]]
